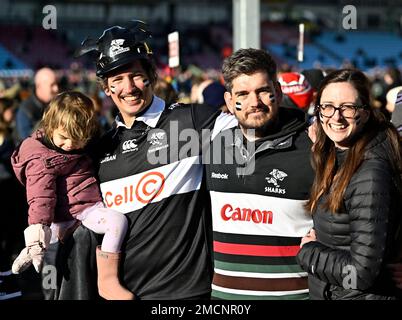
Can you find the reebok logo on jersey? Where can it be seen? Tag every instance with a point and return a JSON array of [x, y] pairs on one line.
[[224, 176], [246, 214], [129, 146]]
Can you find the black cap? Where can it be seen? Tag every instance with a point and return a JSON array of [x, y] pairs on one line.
[[118, 46], [213, 94], [314, 77]]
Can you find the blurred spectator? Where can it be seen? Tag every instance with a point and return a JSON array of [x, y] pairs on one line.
[[284, 67], [209, 92], [10, 226], [198, 84], [6, 143], [297, 91], [7, 119], [377, 90], [395, 95], [213, 95], [11, 92], [391, 99], [314, 77], [165, 91], [105, 119], [30, 111], [392, 78], [226, 51]]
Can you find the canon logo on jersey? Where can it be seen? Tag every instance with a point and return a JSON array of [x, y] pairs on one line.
[[246, 214], [129, 145]]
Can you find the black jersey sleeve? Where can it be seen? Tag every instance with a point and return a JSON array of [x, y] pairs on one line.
[[204, 116]]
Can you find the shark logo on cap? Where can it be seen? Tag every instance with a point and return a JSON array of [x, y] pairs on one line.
[[116, 47]]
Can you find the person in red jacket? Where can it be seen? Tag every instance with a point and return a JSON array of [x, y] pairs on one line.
[[62, 190]]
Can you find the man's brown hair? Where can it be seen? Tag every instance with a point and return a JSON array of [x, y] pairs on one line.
[[247, 61]]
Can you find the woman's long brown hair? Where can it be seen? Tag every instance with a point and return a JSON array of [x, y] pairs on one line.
[[330, 180]]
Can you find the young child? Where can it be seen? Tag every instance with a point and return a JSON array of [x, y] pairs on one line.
[[62, 189]]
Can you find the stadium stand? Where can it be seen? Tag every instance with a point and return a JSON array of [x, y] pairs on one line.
[[36, 46], [365, 49], [9, 61]]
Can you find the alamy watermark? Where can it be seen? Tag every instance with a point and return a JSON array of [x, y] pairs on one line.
[[49, 277], [50, 19], [349, 21], [174, 145], [350, 277]]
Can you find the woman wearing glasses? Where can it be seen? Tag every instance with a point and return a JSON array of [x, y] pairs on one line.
[[356, 195]]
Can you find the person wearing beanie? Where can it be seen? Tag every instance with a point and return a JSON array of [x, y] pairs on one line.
[[296, 89], [314, 77], [213, 94]]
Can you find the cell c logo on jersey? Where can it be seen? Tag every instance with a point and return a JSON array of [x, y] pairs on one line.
[[149, 186]]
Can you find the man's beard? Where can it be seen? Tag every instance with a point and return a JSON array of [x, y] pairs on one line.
[[263, 128]]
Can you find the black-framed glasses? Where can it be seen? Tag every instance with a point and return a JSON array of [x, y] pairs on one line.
[[346, 110]]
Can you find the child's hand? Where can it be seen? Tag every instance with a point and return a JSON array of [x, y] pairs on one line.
[[37, 238]]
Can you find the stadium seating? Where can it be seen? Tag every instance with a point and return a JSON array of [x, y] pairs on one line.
[[9, 61], [365, 49], [36, 46]]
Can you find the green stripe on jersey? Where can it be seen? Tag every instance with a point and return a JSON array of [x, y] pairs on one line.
[[242, 267], [231, 296]]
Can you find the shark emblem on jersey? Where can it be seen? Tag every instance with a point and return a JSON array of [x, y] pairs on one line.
[[156, 138], [276, 175]]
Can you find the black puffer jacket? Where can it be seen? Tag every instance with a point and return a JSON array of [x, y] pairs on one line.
[[348, 260]]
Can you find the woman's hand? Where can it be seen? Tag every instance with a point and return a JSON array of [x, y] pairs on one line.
[[308, 237]]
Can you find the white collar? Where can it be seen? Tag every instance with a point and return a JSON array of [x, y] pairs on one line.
[[151, 115]]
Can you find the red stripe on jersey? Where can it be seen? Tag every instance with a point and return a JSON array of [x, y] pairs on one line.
[[255, 250]]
